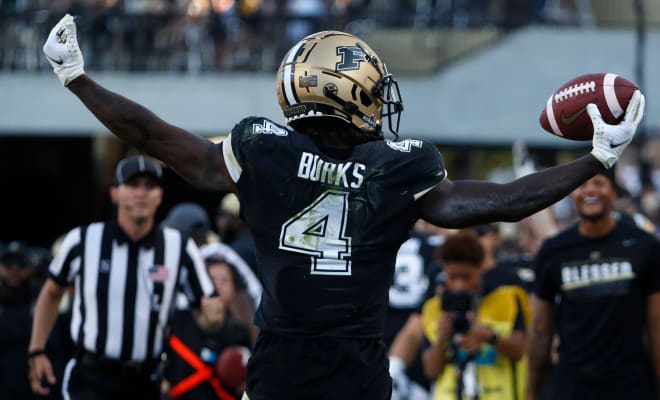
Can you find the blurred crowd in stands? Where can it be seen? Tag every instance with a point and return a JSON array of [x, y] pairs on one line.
[[220, 35]]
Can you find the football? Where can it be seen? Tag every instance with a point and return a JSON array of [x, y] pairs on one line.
[[231, 367], [565, 112]]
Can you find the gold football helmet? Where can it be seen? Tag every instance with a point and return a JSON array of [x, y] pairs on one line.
[[335, 74]]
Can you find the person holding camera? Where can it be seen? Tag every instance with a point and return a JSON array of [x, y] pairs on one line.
[[477, 337]]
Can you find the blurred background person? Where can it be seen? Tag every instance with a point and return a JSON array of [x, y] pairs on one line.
[[207, 346], [477, 334], [192, 220], [230, 275], [414, 270], [495, 271], [598, 287], [20, 282], [126, 273], [229, 283], [253, 287], [234, 231], [17, 297]]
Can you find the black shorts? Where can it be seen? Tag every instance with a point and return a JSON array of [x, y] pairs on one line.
[[320, 368]]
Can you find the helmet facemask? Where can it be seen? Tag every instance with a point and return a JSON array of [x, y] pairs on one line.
[[387, 90]]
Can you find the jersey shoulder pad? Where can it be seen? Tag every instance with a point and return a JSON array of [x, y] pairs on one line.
[[251, 126], [421, 155], [252, 136]]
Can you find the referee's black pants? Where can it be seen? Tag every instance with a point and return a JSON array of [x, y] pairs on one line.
[[89, 381]]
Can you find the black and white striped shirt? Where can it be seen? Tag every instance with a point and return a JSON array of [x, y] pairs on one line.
[[124, 289]]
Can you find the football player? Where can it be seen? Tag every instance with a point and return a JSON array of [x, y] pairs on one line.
[[329, 202], [414, 269]]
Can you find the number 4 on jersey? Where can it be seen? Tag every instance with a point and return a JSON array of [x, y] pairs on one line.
[[320, 231]]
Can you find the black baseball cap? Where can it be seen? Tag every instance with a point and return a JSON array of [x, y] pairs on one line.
[[16, 253], [189, 218], [130, 167]]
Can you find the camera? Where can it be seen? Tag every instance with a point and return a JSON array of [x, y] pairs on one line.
[[459, 303]]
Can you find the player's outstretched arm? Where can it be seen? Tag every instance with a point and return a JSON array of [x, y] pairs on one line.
[[465, 203], [193, 157]]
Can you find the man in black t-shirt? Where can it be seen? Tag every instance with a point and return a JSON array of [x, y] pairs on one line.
[[600, 282]]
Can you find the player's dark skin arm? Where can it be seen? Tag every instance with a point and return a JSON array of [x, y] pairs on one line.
[[450, 204], [466, 203], [540, 343], [193, 157]]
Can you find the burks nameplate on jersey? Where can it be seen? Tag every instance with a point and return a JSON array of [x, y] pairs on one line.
[[348, 174]]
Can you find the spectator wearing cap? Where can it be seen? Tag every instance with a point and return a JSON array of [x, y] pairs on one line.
[[233, 230], [16, 268], [126, 273], [190, 219]]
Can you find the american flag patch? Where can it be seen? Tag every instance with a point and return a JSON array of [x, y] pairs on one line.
[[158, 273]]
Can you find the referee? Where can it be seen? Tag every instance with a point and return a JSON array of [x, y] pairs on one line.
[[125, 273]]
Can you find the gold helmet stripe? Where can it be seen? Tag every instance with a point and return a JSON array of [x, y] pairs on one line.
[[288, 83]]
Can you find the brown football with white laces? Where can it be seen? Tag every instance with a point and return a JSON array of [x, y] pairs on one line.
[[565, 112], [231, 367]]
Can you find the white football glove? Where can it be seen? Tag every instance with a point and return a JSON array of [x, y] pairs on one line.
[[400, 381], [61, 49], [609, 141]]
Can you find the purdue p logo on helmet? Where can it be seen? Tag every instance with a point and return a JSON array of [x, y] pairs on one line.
[[335, 74], [351, 56]]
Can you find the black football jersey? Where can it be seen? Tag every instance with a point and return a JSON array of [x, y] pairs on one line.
[[600, 286], [327, 230], [414, 282]]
